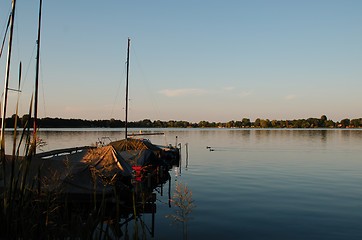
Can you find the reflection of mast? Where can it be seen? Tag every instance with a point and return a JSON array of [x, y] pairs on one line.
[[127, 88], [37, 79], [7, 80]]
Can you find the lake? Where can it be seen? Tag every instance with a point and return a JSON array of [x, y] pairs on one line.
[[254, 184]]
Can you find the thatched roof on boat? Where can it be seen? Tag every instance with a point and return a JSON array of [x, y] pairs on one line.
[[107, 161], [141, 158], [134, 144]]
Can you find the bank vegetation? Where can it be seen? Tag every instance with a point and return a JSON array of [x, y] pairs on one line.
[[322, 122]]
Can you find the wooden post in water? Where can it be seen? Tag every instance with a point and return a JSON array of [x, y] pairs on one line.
[[169, 192], [127, 88], [5, 99], [187, 154], [37, 79], [153, 220]]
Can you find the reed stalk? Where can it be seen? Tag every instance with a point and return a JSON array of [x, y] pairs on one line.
[[29, 211], [185, 205]]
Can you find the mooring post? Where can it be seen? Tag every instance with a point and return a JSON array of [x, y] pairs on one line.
[[187, 154], [169, 192], [153, 220]]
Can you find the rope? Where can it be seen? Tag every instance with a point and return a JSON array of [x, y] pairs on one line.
[[117, 97], [152, 97]]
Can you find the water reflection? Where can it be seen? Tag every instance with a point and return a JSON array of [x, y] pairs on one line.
[[129, 215], [133, 221], [324, 136], [280, 183]]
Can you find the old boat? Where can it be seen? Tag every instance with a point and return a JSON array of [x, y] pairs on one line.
[[75, 173]]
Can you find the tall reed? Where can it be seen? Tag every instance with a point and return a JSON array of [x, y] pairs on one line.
[[29, 209], [185, 205]]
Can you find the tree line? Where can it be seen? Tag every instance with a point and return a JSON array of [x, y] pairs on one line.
[[321, 122]]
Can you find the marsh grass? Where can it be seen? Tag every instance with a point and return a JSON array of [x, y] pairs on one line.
[[31, 209]]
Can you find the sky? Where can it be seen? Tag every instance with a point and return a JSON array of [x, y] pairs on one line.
[[189, 60]]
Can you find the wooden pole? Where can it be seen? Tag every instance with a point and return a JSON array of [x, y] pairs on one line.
[[37, 79], [127, 88], [187, 154], [7, 27], [17, 111], [7, 80]]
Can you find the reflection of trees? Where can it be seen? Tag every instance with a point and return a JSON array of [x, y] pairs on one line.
[[260, 134], [324, 136]]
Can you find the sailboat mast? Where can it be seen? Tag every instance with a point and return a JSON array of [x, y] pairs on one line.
[[37, 77], [7, 79], [127, 88]]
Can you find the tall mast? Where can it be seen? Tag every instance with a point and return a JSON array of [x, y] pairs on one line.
[[7, 27], [37, 78], [127, 88], [7, 79]]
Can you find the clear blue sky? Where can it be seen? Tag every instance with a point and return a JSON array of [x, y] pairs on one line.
[[190, 60]]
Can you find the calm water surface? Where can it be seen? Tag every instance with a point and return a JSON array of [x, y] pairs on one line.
[[257, 184]]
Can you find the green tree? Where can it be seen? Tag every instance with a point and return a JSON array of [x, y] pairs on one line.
[[274, 123], [265, 123], [355, 122], [257, 122], [246, 122], [305, 124], [345, 122], [230, 124], [323, 120], [238, 124], [25, 118], [330, 124]]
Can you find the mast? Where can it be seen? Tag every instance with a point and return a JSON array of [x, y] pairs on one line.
[[37, 78], [127, 88], [2, 45], [7, 79]]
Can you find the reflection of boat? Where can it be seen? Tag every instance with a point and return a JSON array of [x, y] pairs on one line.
[[127, 217]]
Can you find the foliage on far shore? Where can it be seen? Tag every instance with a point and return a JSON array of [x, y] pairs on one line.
[[322, 122]]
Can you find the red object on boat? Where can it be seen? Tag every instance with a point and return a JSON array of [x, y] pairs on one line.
[[138, 173]]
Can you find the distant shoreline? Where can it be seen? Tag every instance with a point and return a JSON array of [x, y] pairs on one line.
[[322, 122]]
